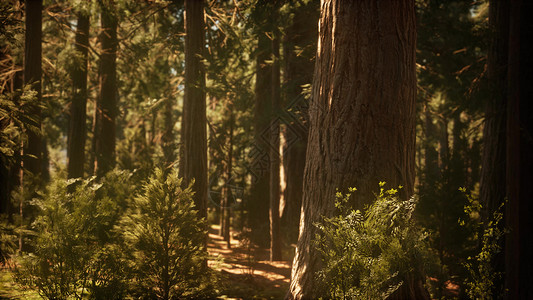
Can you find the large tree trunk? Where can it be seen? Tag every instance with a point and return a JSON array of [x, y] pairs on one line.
[[299, 49], [519, 245], [362, 118], [106, 105], [193, 124], [32, 75], [77, 128], [260, 165], [492, 181]]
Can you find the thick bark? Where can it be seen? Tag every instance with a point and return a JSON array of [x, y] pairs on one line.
[[77, 128], [193, 124], [32, 75], [492, 181], [518, 259], [260, 166], [106, 105], [275, 190], [362, 118], [299, 48]]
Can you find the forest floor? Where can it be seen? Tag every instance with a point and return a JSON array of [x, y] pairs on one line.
[[242, 271], [245, 270]]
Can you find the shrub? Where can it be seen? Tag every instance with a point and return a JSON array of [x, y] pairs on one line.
[[482, 275], [73, 254], [370, 255], [164, 237]]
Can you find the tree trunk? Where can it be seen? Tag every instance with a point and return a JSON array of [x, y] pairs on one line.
[[299, 50], [193, 124], [362, 119], [492, 181], [260, 165], [77, 127], [519, 168], [106, 105], [32, 75], [275, 190], [167, 139]]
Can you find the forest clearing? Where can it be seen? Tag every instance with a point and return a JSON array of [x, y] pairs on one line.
[[266, 149]]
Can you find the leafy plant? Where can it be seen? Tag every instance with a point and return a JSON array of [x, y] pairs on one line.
[[73, 250], [482, 275], [164, 236], [370, 255]]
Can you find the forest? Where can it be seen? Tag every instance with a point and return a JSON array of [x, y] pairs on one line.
[[266, 149]]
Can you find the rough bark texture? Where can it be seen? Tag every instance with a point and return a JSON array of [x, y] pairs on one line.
[[32, 75], [193, 124], [260, 166], [519, 245], [77, 128], [299, 47], [275, 190], [492, 189], [106, 105], [362, 118], [492, 181]]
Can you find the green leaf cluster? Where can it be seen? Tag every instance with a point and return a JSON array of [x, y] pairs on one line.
[[370, 254]]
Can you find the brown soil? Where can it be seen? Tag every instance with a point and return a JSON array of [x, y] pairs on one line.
[[245, 270]]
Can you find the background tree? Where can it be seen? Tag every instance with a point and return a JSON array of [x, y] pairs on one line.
[[364, 96], [32, 75], [299, 49], [78, 108], [193, 164], [106, 105], [275, 193]]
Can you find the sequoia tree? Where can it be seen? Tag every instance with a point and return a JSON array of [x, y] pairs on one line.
[[32, 76], [362, 120], [106, 105], [193, 164], [77, 128]]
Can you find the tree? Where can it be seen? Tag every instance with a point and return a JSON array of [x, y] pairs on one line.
[[106, 105], [275, 238], [193, 163], [32, 76], [260, 190], [77, 128], [492, 182], [519, 152], [362, 122], [299, 49]]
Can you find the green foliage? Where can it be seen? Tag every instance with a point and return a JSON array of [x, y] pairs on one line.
[[482, 276], [163, 236], [8, 239], [369, 255], [72, 254]]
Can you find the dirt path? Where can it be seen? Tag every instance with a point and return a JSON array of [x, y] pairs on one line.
[[246, 272]]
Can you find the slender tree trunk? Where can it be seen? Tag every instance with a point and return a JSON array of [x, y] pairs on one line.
[[106, 106], [299, 49], [167, 139], [275, 192], [193, 124], [77, 128], [32, 75], [260, 165], [362, 120], [431, 155], [229, 181], [519, 246]]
